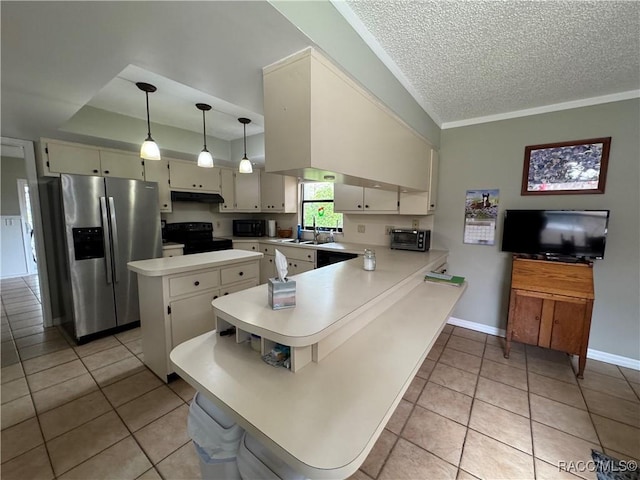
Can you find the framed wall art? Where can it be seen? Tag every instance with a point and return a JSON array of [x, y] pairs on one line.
[[576, 167]]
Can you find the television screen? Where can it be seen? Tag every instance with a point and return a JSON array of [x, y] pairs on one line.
[[555, 233]]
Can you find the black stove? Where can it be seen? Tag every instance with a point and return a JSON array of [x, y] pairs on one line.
[[197, 237]]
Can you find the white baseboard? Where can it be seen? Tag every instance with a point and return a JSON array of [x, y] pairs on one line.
[[478, 327], [591, 353]]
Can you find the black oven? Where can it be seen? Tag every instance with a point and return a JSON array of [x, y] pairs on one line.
[[249, 228], [197, 237]]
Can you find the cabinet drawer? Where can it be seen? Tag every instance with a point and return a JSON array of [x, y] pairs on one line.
[[238, 287], [268, 249], [299, 253], [172, 252], [239, 273], [194, 282]]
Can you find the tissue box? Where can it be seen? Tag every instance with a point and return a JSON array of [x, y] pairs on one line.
[[282, 294]]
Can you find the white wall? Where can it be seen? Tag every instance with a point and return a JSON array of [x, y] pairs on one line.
[[11, 169], [491, 156]]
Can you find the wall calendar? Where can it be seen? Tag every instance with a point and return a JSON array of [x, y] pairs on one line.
[[480, 214]]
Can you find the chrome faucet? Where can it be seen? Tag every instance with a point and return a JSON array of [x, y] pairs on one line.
[[315, 232]]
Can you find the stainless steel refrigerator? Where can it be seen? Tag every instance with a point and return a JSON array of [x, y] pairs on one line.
[[103, 223]]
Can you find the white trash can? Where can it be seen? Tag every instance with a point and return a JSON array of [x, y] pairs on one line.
[[216, 438], [256, 462]]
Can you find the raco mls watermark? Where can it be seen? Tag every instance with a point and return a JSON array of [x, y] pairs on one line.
[[601, 465]]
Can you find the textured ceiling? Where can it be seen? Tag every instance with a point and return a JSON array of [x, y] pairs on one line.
[[467, 59]]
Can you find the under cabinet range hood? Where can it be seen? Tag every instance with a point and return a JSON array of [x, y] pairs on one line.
[[196, 197]]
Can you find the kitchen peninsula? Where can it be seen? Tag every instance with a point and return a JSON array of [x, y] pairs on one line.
[[176, 293], [366, 333]]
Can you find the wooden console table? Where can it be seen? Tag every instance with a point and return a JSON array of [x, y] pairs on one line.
[[550, 306]]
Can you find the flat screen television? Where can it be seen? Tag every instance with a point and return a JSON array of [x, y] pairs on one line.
[[562, 234]]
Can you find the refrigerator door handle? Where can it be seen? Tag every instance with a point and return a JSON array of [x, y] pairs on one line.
[[105, 234], [114, 236]]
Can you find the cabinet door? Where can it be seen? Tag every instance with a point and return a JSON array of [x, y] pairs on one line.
[[248, 191], [380, 200], [568, 324], [158, 171], [414, 203], [433, 180], [524, 318], [73, 159], [191, 317], [267, 268], [272, 192], [300, 266], [348, 198], [185, 175], [227, 190], [121, 165]]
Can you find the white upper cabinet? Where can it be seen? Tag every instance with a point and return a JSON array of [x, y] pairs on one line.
[[247, 192], [121, 164], [227, 190], [68, 158], [188, 176], [433, 180], [279, 193], [351, 199], [318, 119], [422, 202], [241, 191], [158, 171], [65, 157]]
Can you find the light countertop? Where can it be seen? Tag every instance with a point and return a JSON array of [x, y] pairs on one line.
[[171, 245], [347, 247], [325, 419], [326, 298], [157, 267]]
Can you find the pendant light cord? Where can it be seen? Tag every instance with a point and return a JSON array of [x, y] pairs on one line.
[[204, 130], [148, 119], [244, 125]]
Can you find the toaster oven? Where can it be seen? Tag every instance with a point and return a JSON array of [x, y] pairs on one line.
[[404, 239]]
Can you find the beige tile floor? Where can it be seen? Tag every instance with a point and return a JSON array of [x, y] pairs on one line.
[[96, 411]]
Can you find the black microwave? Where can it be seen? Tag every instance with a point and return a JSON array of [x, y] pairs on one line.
[[418, 240], [249, 228]]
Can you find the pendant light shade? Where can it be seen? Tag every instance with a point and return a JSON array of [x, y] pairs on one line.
[[149, 149], [204, 159], [245, 165]]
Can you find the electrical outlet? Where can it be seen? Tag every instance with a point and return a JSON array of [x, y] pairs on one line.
[[415, 224], [361, 228], [387, 229]]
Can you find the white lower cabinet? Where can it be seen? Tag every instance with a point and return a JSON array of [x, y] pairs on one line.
[[248, 246], [177, 307], [267, 268], [192, 317]]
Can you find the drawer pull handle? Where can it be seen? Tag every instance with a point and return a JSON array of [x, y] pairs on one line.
[[95, 171], [241, 273], [107, 172], [226, 293], [537, 317], [196, 283], [215, 296], [194, 184]]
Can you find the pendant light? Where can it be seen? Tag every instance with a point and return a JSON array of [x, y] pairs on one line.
[[204, 159], [245, 164], [149, 149]]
